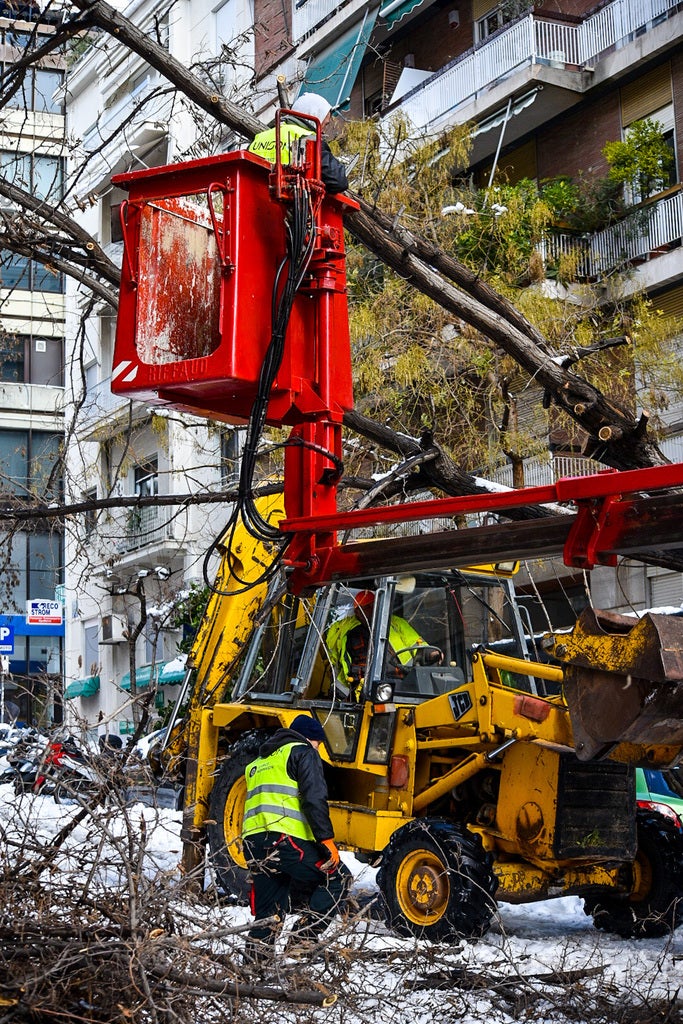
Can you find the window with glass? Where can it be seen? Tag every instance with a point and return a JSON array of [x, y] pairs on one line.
[[36, 570], [20, 272], [25, 359], [37, 91], [146, 478], [496, 18], [37, 173], [231, 447], [29, 463], [12, 365]]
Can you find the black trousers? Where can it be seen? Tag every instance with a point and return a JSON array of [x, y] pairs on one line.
[[287, 878]]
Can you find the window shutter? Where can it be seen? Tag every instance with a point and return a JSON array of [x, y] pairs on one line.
[[391, 72], [648, 93], [666, 590], [670, 302], [482, 7]]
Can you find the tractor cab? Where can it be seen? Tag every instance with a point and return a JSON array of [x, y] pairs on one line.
[[403, 639]]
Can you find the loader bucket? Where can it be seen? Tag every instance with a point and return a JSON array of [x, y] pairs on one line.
[[623, 682]]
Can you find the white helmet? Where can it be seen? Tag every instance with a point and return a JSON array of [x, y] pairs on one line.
[[311, 103]]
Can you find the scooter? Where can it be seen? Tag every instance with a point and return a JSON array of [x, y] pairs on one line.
[[56, 767], [68, 772]]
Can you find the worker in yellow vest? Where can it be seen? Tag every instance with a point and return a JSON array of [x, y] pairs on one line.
[[348, 643], [332, 170], [288, 836]]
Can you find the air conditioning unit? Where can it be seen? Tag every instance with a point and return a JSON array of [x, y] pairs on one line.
[[114, 629]]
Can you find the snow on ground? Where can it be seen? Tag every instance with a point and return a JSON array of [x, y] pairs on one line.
[[543, 962]]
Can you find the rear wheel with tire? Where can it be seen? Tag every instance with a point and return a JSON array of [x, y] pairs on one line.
[[437, 881], [655, 904], [226, 811]]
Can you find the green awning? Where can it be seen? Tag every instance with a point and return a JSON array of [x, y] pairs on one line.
[[333, 73], [142, 678], [87, 687], [171, 672], [392, 12], [166, 673]]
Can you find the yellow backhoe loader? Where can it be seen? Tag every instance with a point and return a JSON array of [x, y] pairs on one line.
[[482, 765]]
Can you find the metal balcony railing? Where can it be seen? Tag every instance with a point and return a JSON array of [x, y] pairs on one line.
[[649, 230], [308, 14], [542, 472], [148, 527], [531, 40]]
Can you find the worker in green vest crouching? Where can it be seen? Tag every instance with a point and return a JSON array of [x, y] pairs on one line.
[[289, 840]]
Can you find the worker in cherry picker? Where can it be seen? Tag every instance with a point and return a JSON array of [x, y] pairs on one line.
[[348, 644], [291, 128]]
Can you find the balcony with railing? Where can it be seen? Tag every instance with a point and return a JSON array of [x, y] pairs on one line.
[[149, 527], [533, 39], [307, 15], [151, 533], [650, 230]]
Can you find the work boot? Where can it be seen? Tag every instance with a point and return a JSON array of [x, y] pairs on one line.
[[258, 955], [301, 949]]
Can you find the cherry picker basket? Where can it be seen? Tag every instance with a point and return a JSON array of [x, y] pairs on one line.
[[203, 247]]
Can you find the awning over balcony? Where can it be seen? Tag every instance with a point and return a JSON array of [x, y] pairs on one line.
[[172, 672], [392, 11], [87, 687], [332, 73], [166, 673]]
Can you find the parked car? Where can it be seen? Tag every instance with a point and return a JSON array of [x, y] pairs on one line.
[[661, 791]]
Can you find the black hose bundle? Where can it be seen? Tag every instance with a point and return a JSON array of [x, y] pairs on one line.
[[300, 226]]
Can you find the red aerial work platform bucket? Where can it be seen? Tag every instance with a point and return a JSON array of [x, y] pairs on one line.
[[203, 241]]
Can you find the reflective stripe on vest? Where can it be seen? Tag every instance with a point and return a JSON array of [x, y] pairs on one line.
[[273, 802], [264, 143]]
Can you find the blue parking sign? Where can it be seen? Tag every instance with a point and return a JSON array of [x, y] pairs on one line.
[[6, 639]]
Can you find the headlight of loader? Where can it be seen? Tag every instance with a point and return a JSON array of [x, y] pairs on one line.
[[382, 692]]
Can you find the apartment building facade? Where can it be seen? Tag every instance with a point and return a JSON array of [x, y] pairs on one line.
[[544, 86], [32, 314], [127, 569]]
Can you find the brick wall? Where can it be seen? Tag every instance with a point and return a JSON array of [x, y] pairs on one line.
[[573, 145], [677, 88], [272, 34]]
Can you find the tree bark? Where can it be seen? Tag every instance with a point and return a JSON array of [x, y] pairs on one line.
[[618, 439]]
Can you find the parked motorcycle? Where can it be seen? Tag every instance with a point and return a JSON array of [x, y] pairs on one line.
[[69, 772], [23, 761], [56, 766]]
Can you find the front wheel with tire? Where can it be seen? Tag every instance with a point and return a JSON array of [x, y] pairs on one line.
[[75, 791], [655, 904], [226, 811], [437, 881]]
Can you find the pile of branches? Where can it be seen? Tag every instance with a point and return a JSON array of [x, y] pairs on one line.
[[98, 925]]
